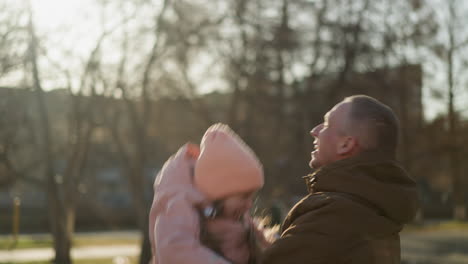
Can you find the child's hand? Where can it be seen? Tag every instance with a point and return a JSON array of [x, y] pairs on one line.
[[192, 151], [233, 238], [264, 236]]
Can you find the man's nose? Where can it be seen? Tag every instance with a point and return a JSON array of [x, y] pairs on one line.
[[314, 132]]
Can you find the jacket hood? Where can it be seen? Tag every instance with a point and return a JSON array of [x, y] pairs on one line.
[[173, 221], [175, 180], [375, 178]]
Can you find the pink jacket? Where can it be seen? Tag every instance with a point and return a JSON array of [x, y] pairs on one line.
[[174, 222]]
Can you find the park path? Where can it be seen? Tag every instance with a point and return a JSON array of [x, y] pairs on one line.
[[93, 252], [83, 252], [435, 247], [429, 247]]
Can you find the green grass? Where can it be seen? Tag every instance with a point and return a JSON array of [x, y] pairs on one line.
[[45, 241], [454, 225], [25, 242], [103, 241], [131, 260], [446, 226]]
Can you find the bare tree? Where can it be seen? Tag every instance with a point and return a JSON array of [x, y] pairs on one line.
[[457, 41], [57, 214], [62, 187], [129, 127], [12, 39], [11, 119]]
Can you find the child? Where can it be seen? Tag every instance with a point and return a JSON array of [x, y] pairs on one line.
[[201, 203]]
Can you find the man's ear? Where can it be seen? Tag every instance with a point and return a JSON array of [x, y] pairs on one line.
[[347, 146]]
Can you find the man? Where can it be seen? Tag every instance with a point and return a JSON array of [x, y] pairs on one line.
[[359, 197]]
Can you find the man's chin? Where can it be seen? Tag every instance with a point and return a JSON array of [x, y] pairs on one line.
[[313, 164]]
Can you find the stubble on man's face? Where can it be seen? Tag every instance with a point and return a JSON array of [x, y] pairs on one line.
[[326, 136]]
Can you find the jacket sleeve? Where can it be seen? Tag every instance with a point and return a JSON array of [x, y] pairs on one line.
[[307, 237], [174, 222], [296, 247], [176, 235]]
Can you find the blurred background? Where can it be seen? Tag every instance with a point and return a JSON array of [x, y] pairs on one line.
[[96, 94]]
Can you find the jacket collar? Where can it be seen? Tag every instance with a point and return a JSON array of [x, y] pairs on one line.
[[366, 157]]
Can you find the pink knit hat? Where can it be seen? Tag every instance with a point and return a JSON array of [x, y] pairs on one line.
[[226, 165]]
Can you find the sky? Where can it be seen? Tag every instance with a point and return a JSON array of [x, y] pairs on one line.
[[76, 24]]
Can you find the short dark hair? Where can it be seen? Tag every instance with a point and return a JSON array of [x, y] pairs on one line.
[[376, 124]]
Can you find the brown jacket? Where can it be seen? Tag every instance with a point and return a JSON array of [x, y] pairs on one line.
[[353, 215]]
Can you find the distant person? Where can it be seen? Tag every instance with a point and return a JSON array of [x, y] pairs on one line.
[[202, 197], [359, 196]]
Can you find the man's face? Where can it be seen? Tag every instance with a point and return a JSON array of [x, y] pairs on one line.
[[328, 135]]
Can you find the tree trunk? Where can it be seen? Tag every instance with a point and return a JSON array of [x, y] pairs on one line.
[[56, 211], [457, 183], [142, 209]]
